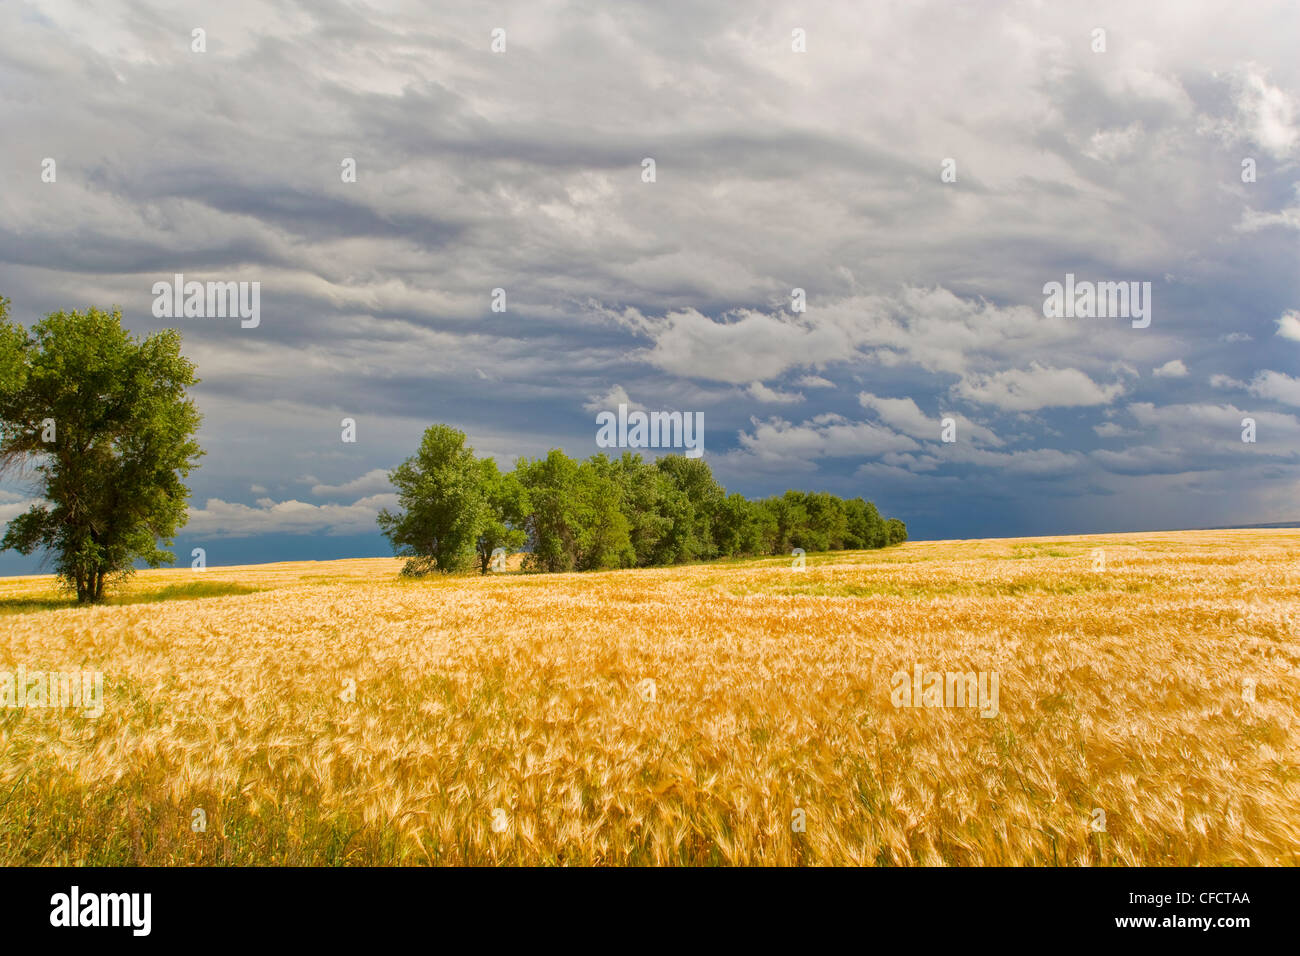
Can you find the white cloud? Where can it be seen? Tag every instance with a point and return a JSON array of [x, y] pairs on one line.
[[692, 345], [930, 327], [904, 415], [1112, 430], [1174, 368], [760, 392], [815, 381], [610, 401], [1288, 217], [1276, 386], [1225, 381], [1209, 425], [374, 481], [218, 518], [1288, 326], [1268, 114], [1253, 221], [1200, 438], [1110, 145], [1036, 387], [826, 436]]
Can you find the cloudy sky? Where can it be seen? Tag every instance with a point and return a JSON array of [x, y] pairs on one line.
[[775, 169]]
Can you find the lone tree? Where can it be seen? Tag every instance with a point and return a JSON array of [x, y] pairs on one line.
[[440, 489], [106, 421]]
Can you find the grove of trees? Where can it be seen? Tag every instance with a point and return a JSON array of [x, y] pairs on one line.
[[601, 513]]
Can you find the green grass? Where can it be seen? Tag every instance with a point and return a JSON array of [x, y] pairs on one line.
[[172, 592], [1042, 551]]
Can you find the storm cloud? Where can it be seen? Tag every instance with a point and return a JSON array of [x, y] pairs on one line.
[[921, 171]]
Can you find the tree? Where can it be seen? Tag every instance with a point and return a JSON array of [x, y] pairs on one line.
[[734, 527], [441, 491], [577, 519], [791, 522], [506, 505], [896, 531], [763, 530], [603, 529], [866, 529], [827, 520], [640, 486], [691, 498], [554, 523], [106, 421]]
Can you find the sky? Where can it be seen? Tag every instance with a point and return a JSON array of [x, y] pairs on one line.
[[921, 171]]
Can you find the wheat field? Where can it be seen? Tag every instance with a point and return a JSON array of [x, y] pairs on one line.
[[730, 713]]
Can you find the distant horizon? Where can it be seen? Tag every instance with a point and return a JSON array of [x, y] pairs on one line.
[[258, 545]]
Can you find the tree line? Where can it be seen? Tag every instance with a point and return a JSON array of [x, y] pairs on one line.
[[104, 422], [457, 509]]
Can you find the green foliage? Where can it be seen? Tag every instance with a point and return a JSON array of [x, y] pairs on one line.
[[865, 528], [104, 421], [828, 521], [691, 501], [602, 513], [506, 505], [736, 528], [791, 520], [604, 539], [553, 523], [643, 490], [441, 490]]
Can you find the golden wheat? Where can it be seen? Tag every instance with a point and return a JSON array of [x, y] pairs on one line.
[[688, 715]]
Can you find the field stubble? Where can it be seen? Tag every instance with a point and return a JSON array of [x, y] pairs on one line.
[[676, 716]]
